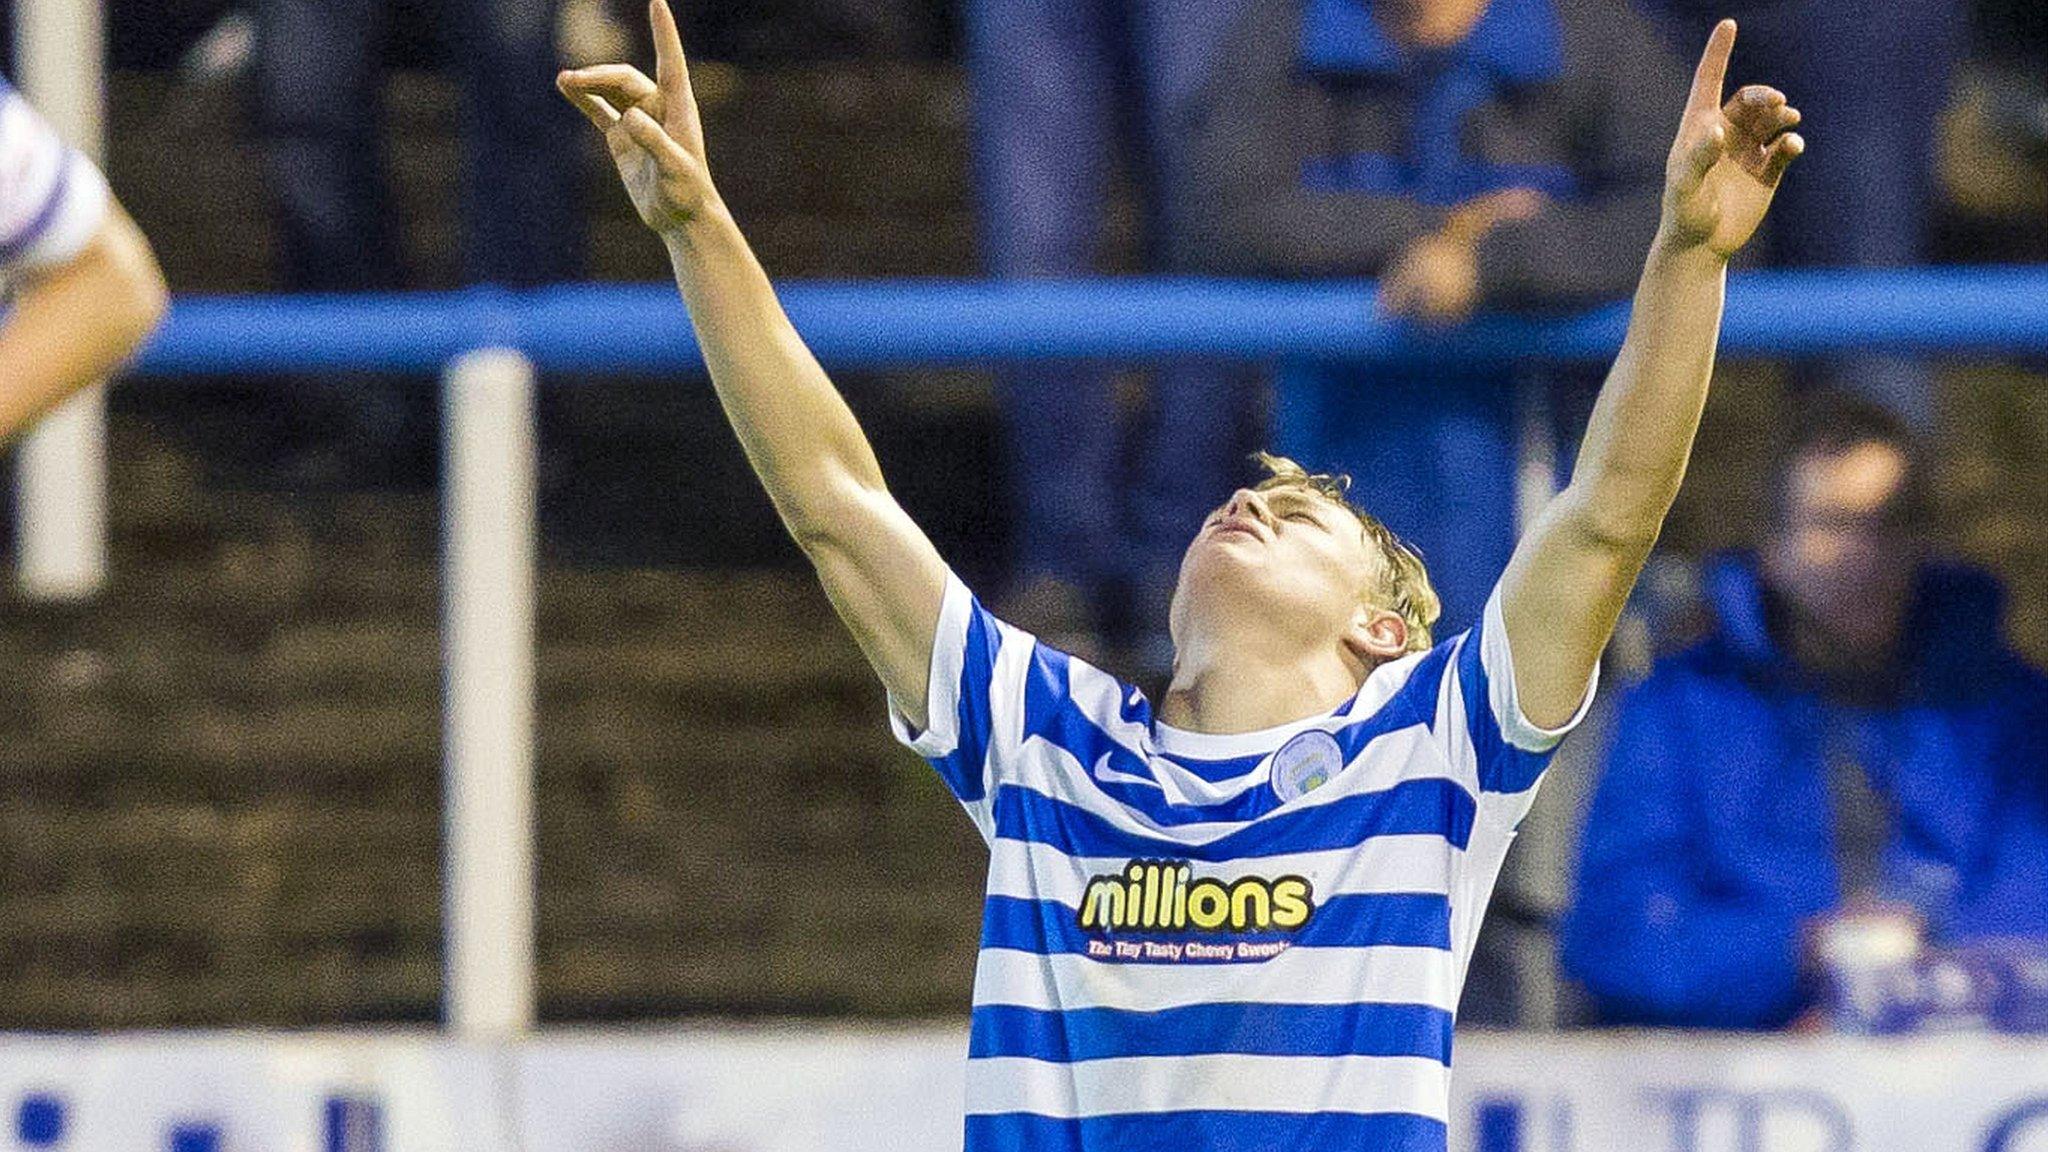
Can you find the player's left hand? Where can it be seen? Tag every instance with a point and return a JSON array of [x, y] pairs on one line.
[[1728, 158]]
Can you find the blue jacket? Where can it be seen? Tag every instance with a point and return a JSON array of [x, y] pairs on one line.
[[1709, 842], [1319, 146]]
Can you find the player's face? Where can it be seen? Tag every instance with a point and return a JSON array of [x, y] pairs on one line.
[[1290, 561]]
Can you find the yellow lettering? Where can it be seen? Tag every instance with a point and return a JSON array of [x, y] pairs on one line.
[[1208, 904], [1164, 894], [1290, 902], [1102, 905], [1251, 906]]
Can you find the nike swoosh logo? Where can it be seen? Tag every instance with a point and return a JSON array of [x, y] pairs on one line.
[[1108, 775]]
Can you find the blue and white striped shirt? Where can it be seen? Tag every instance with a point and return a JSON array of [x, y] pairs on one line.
[[52, 199], [1228, 942]]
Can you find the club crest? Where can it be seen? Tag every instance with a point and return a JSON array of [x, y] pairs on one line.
[[1305, 763]]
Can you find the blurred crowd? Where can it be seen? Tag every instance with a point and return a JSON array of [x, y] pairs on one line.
[[1847, 771], [1846, 759]]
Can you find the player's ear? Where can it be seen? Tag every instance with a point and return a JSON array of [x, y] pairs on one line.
[[1376, 635]]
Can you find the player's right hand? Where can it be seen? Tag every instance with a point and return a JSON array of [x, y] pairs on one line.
[[651, 127]]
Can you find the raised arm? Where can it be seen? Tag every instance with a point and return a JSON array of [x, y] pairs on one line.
[[74, 323], [86, 287], [1572, 572], [880, 571]]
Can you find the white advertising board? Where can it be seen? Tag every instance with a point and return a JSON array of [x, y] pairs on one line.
[[829, 1089]]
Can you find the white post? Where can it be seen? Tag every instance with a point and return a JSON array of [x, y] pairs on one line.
[[62, 516], [487, 620]]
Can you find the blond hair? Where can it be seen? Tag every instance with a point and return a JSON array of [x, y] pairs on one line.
[[1402, 585]]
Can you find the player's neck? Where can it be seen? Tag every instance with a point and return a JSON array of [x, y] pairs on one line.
[[1246, 694]]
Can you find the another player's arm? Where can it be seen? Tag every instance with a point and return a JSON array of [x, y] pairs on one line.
[[72, 324], [1572, 572], [880, 571]]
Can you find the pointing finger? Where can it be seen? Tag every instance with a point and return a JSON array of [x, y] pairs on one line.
[[671, 70], [1712, 73]]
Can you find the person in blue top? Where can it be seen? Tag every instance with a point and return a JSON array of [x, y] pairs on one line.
[[1852, 734]]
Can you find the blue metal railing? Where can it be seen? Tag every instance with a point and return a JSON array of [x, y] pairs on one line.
[[622, 328]]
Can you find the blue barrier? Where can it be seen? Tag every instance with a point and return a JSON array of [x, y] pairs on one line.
[[623, 328]]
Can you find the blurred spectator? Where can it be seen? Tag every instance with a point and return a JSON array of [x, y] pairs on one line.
[[1470, 153], [1853, 734], [1062, 90], [318, 87], [1874, 79]]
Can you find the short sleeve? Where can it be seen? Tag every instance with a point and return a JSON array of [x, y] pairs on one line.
[[1481, 719], [52, 199], [975, 699]]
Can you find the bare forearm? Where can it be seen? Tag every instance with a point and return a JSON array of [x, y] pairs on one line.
[[878, 568], [78, 323], [797, 431], [1641, 431], [1572, 572]]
